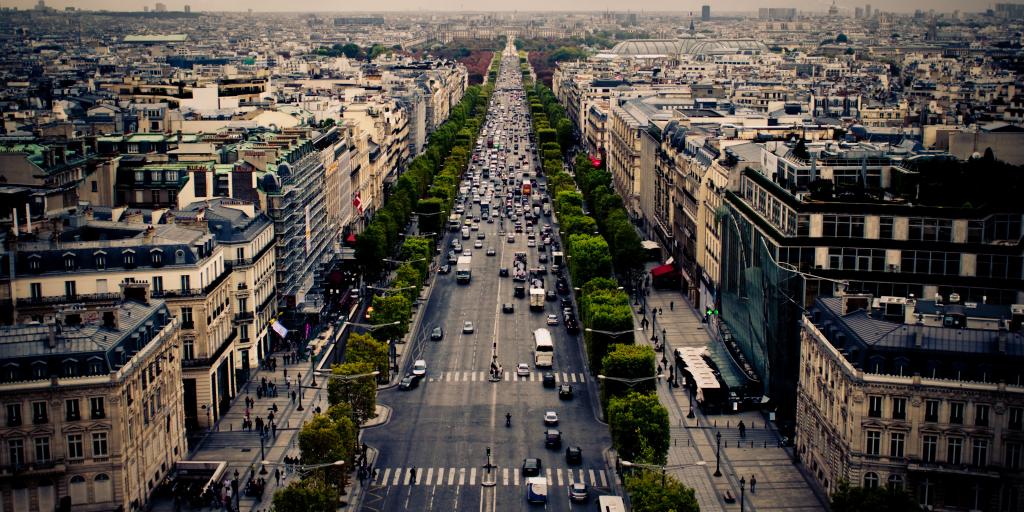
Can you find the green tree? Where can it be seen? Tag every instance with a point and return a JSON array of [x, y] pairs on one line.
[[590, 258], [359, 392], [363, 348], [842, 38], [352, 51], [371, 249], [578, 224], [652, 491], [389, 310], [637, 420], [341, 417], [627, 362], [320, 442], [565, 134], [848, 498], [308, 495]]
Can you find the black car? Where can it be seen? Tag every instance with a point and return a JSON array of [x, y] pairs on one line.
[[549, 380], [508, 307], [566, 302], [550, 295], [519, 291], [574, 455], [503, 272], [542, 258], [531, 467], [408, 382], [565, 392], [437, 334], [444, 269], [553, 438]]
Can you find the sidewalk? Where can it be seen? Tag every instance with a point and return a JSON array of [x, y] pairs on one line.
[[780, 484]]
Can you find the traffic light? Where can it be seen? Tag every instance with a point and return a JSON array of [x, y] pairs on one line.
[[488, 452]]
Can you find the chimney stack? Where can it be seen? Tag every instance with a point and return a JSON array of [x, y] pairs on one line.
[[51, 334]]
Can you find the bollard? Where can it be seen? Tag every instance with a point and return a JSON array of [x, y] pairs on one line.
[[716, 422], [674, 442], [727, 424], [231, 427], [751, 444], [766, 444]]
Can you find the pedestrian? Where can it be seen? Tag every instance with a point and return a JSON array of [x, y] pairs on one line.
[[293, 397], [273, 430], [412, 475], [277, 475], [654, 314], [659, 370], [753, 484], [663, 338], [661, 311], [671, 305]]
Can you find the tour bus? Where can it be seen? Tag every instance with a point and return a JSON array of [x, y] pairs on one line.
[[610, 504], [527, 187], [544, 349]]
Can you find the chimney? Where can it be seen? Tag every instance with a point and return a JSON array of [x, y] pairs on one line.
[[28, 220], [49, 157], [918, 341], [1002, 339], [14, 213], [51, 335]]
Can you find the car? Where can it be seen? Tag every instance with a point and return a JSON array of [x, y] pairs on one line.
[[549, 380], [503, 272], [467, 252], [551, 418], [481, 236], [478, 245], [578, 492], [467, 327], [532, 467], [543, 269], [531, 243], [408, 382], [444, 269], [566, 302], [511, 238], [508, 307], [552, 319], [543, 258], [419, 368], [523, 370], [565, 392], [553, 438], [437, 334], [550, 295], [491, 251], [574, 455]]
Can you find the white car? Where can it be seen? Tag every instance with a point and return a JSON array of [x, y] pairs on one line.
[[523, 370], [552, 320], [551, 418], [478, 245], [419, 368], [467, 327]]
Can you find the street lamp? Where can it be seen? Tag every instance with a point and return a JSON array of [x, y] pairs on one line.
[[386, 290], [615, 334], [631, 382], [304, 467], [628, 464], [718, 454]]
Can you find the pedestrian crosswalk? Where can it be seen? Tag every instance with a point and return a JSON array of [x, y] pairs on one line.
[[478, 376], [389, 477]]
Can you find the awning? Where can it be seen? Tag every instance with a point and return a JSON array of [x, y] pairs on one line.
[[649, 245], [663, 270], [351, 238]]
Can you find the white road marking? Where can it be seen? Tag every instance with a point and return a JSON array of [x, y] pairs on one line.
[[593, 481], [387, 473], [430, 476], [472, 476]]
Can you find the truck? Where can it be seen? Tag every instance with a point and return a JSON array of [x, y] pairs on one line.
[[557, 260], [537, 489], [537, 295], [519, 267], [463, 269], [546, 208]]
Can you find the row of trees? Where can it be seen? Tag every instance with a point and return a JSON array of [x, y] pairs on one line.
[[596, 242], [354, 51]]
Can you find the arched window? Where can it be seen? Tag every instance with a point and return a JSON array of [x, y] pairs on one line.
[[77, 490], [896, 482], [129, 258], [69, 261], [103, 488], [35, 262], [157, 256], [101, 260], [870, 480]]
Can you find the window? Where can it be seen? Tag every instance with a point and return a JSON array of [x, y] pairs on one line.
[[13, 415], [930, 230], [931, 410], [954, 450], [42, 449], [899, 409], [896, 482], [185, 282], [870, 480], [1003, 227], [885, 227], [76, 448], [929, 448], [874, 446], [69, 262], [40, 412], [975, 231], [157, 257], [95, 186], [930, 262], [1016, 416], [979, 452], [69, 289], [243, 332], [171, 176], [897, 440], [73, 413], [240, 253], [36, 290], [101, 261], [188, 349], [158, 284], [16, 452], [956, 412], [981, 415], [99, 444], [129, 259], [843, 226], [34, 263], [186, 318], [875, 406], [999, 266], [1014, 453], [96, 405]]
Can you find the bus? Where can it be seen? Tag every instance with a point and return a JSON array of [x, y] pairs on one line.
[[709, 393], [527, 187], [610, 504], [543, 348]]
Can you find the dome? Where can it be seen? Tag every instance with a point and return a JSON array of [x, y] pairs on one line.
[[646, 47], [687, 46]]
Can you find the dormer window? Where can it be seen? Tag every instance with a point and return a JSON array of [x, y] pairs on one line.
[[69, 261], [101, 260], [179, 257], [39, 370], [129, 258], [70, 367], [35, 263], [157, 256]]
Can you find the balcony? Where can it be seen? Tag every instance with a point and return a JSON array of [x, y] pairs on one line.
[[34, 469], [244, 316], [63, 299], [205, 362]]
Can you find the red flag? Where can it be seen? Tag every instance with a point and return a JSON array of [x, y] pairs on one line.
[[358, 202]]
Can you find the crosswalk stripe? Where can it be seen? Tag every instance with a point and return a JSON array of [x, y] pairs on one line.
[[408, 477], [556, 378], [565, 377], [508, 375], [440, 476], [572, 377], [593, 481], [451, 476], [472, 476], [398, 476], [468, 476], [515, 476], [547, 474], [482, 376], [387, 472], [504, 476], [430, 476], [558, 473], [462, 476], [604, 481]]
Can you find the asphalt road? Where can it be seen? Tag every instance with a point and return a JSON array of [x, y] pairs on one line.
[[443, 427]]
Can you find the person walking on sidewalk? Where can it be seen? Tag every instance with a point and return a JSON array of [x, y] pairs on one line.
[[277, 475], [753, 484], [671, 307], [412, 475]]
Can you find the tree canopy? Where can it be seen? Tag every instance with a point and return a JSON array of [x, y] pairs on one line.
[[638, 421]]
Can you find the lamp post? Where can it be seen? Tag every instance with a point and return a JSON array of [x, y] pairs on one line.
[[663, 469], [631, 382], [718, 454], [613, 334]]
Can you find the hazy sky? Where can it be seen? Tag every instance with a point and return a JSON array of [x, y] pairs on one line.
[[505, 5]]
